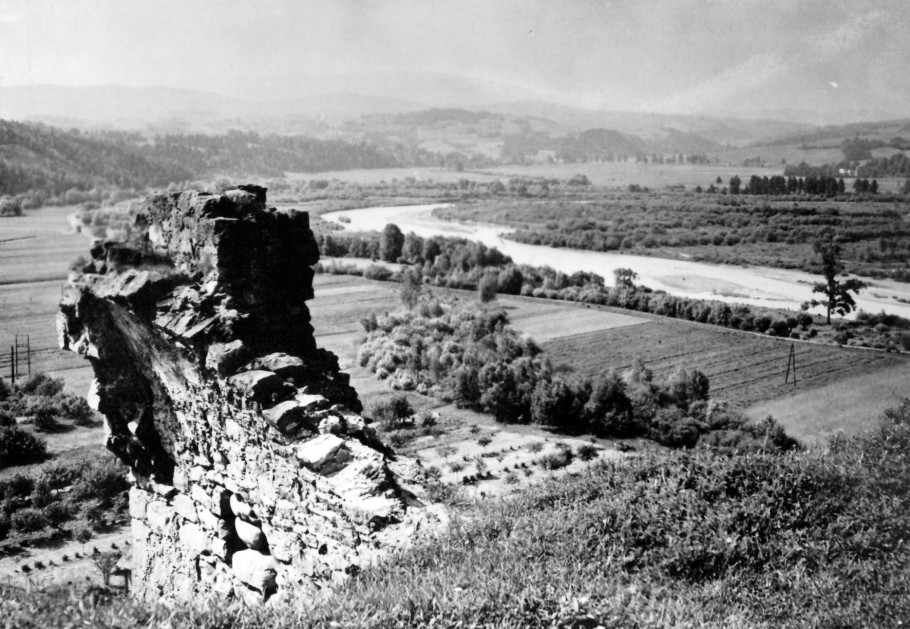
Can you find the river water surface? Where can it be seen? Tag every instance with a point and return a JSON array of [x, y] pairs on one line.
[[760, 286]]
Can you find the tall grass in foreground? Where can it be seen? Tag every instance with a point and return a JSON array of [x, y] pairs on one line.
[[685, 539]]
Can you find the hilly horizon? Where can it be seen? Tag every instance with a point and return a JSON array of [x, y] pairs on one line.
[[187, 110]]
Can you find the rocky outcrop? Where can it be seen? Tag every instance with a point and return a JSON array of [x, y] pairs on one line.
[[254, 474]]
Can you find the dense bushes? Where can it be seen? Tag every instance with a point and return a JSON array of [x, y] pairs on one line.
[[41, 400], [18, 447], [472, 357], [63, 499], [10, 207]]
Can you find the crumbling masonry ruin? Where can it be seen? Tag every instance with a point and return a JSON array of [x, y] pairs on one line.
[[253, 473]]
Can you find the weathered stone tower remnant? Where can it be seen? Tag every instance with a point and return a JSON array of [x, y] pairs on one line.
[[253, 472]]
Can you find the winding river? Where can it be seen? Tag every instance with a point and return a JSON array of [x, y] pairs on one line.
[[760, 286]]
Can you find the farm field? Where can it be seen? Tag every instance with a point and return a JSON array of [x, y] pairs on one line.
[[745, 369], [610, 174], [377, 175], [847, 405], [35, 252], [622, 174]]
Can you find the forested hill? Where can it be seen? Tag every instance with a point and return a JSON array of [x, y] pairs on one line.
[[242, 153], [42, 162], [37, 158]]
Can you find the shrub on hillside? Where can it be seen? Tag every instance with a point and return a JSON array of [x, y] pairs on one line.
[[29, 520], [10, 206], [77, 409], [18, 447], [378, 272], [42, 384], [393, 410], [556, 460]]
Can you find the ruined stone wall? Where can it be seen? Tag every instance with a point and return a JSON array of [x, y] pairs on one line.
[[253, 473]]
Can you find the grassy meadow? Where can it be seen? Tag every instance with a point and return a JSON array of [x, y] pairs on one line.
[[848, 404]]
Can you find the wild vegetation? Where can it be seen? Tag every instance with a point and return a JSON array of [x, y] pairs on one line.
[[41, 402], [694, 537], [734, 229], [59, 500], [469, 355], [62, 501]]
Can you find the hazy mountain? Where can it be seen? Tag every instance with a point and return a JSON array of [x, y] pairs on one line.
[[340, 105], [723, 130], [832, 135], [428, 89], [116, 105]]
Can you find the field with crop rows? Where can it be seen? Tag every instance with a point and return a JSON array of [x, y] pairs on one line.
[[35, 252], [747, 370]]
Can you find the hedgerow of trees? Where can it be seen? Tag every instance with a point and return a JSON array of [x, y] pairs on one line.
[[464, 264]]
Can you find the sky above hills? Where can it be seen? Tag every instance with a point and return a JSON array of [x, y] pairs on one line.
[[679, 56]]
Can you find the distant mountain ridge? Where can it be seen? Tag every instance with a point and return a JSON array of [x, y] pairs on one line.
[[190, 110]]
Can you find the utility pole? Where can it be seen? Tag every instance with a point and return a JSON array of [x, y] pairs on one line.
[[18, 346], [791, 361]]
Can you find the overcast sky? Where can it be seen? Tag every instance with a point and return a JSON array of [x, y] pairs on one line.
[[654, 55]]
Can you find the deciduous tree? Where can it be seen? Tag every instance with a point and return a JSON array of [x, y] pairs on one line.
[[836, 292], [391, 243]]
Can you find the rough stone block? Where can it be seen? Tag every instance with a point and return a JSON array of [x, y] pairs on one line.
[[325, 453], [240, 508], [255, 569], [193, 538], [225, 358], [250, 534], [212, 522], [185, 507], [281, 364], [288, 417], [257, 385], [138, 503], [160, 516]]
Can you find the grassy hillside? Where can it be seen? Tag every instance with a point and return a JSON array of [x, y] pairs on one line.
[[685, 539]]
